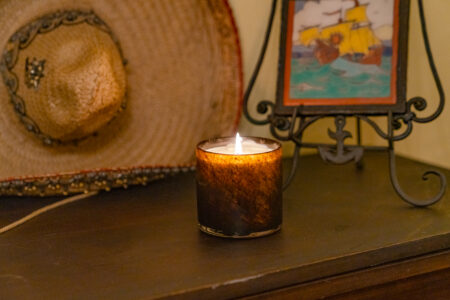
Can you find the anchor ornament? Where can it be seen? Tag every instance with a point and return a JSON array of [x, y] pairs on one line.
[[340, 154]]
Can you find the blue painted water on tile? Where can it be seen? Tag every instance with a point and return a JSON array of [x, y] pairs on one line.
[[340, 79]]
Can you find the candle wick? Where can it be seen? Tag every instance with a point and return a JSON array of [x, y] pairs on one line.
[[238, 144]]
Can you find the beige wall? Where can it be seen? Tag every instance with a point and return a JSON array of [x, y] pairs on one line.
[[428, 142]]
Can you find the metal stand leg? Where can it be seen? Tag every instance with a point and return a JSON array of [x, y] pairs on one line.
[[295, 159], [393, 174], [359, 163]]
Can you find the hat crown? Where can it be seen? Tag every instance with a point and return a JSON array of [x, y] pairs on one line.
[[73, 82]]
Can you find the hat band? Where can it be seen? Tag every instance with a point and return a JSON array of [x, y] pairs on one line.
[[34, 69], [84, 182]]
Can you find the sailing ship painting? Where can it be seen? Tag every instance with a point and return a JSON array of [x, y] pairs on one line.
[[343, 51]]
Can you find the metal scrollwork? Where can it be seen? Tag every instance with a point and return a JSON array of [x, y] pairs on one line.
[[394, 180], [400, 125], [264, 105]]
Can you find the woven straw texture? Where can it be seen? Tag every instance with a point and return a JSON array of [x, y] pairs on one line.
[[183, 85], [84, 84]]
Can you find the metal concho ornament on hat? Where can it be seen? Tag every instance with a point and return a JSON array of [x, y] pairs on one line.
[[67, 83]]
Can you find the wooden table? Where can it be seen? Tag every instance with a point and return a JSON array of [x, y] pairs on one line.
[[345, 232]]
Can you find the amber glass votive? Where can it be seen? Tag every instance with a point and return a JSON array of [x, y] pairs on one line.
[[239, 195]]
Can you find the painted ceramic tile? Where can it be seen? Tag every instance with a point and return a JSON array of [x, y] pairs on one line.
[[341, 52]]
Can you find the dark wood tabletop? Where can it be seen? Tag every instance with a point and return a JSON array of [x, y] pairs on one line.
[[144, 243]]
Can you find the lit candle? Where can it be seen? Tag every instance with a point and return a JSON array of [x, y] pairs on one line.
[[239, 186]]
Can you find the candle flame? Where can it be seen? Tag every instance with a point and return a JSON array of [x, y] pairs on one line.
[[238, 144]]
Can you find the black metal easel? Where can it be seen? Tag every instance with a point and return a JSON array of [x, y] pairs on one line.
[[340, 153]]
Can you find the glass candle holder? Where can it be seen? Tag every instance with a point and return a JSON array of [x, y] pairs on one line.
[[239, 195]]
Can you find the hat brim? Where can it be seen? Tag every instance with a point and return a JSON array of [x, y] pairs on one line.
[[184, 77]]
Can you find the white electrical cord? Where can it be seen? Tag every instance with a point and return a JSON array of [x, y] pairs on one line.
[[45, 209]]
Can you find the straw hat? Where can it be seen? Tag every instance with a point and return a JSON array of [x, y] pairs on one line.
[[104, 93]]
